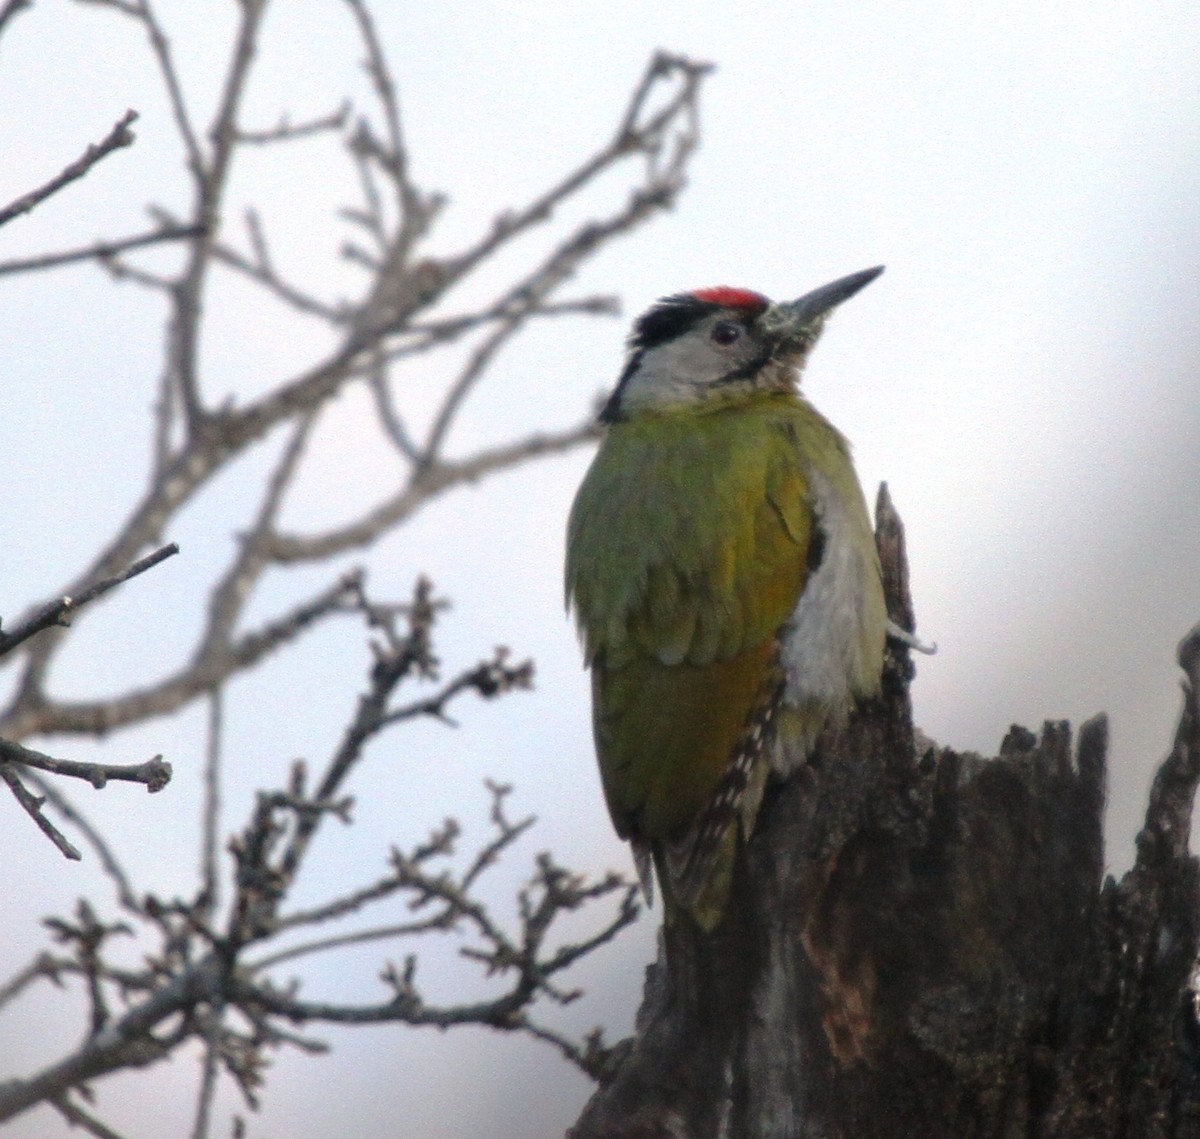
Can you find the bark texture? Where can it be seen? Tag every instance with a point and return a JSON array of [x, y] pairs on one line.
[[923, 943]]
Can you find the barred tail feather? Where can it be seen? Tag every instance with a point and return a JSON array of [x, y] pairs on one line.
[[697, 869]]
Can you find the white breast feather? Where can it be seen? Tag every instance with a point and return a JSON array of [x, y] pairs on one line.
[[824, 643]]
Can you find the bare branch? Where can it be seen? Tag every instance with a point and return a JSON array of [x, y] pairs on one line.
[[43, 965], [562, 262], [128, 1042], [489, 678], [648, 138], [76, 1116], [10, 9], [181, 474], [86, 936], [132, 8], [431, 483], [262, 271], [121, 270], [423, 336], [102, 251], [199, 978], [440, 843], [393, 303], [553, 892], [32, 806], [55, 612], [506, 833], [287, 131], [416, 211], [385, 88], [160, 45], [211, 814], [359, 937], [369, 217], [211, 178], [120, 136], [154, 773], [343, 907], [108, 860], [400, 659], [389, 419], [593, 1059], [195, 983], [251, 647], [209, 1070], [476, 365], [95, 717], [230, 594]]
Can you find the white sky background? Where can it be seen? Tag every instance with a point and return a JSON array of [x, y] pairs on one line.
[[1024, 376]]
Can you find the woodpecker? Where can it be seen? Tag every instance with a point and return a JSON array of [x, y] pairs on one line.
[[723, 572]]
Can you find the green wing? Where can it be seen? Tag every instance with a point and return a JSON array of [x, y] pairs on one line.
[[688, 548]]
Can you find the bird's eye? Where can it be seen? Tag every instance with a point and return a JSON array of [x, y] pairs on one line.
[[726, 332]]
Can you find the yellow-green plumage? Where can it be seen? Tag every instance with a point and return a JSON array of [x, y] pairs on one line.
[[688, 543], [707, 513]]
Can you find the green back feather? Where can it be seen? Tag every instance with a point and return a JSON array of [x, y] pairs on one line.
[[687, 551]]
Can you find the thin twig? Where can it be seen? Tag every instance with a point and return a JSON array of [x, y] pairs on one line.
[[475, 367], [101, 250], [55, 612], [592, 1058], [506, 834], [96, 717], [154, 773], [416, 212], [108, 860], [120, 136], [10, 9], [209, 1071], [360, 937], [229, 595], [630, 137], [419, 337], [432, 483], [161, 47], [262, 272], [76, 1116], [210, 880], [488, 679], [32, 806], [286, 131], [43, 965], [211, 180], [412, 655], [385, 407], [380, 75]]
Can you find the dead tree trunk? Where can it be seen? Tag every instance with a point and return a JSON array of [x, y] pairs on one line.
[[922, 943]]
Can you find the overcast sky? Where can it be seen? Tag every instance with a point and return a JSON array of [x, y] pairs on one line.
[[1024, 376]]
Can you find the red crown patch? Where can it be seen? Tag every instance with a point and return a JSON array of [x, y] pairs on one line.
[[728, 297]]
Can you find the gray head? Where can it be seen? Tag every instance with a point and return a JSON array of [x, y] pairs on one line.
[[720, 342]]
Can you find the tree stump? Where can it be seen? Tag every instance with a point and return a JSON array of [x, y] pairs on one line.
[[922, 943]]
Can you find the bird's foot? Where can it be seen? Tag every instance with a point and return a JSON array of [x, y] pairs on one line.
[[910, 639]]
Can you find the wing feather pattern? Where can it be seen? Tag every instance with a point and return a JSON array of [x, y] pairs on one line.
[[688, 553]]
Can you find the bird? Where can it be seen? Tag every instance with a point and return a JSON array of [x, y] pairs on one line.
[[723, 573]]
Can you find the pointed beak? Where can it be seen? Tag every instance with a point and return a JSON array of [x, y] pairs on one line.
[[801, 313]]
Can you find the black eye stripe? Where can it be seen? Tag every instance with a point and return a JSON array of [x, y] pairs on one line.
[[747, 370]]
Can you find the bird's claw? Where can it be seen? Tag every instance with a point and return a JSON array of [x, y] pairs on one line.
[[910, 639]]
